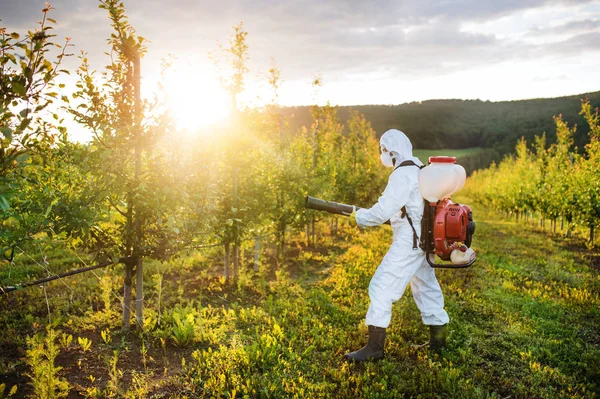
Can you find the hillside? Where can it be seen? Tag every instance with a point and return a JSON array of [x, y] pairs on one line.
[[438, 124]]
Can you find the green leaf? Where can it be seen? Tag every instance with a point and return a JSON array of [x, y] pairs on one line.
[[6, 131], [15, 35], [19, 89], [4, 205], [23, 157]]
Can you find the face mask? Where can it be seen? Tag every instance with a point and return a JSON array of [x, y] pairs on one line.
[[386, 159]]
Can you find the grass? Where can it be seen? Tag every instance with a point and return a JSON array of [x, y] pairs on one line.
[[524, 324], [424, 154]]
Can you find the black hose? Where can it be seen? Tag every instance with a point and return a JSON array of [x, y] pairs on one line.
[[6, 290], [330, 206]]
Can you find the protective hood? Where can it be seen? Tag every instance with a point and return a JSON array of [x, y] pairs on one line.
[[399, 146]]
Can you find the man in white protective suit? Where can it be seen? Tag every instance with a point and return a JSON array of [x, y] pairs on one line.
[[401, 203]]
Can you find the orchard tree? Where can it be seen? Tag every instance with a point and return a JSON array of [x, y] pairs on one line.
[[27, 138], [588, 174], [562, 158], [360, 179], [555, 182], [231, 222], [129, 157]]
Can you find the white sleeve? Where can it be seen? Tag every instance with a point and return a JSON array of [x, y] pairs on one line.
[[394, 197]]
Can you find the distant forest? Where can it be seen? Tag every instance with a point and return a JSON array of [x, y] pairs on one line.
[[445, 124]]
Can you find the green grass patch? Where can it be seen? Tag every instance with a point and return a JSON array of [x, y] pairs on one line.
[[524, 324]]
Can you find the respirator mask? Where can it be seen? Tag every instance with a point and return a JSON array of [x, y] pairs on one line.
[[386, 158]]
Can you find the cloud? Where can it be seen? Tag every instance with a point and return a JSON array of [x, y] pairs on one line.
[[579, 44], [571, 27], [340, 39]]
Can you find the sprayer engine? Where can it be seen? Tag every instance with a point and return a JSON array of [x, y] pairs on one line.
[[453, 225]]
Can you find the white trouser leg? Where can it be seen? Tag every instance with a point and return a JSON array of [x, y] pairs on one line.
[[390, 280], [428, 296]]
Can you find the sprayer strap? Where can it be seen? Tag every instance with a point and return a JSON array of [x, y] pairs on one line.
[[403, 209], [415, 236], [408, 163]]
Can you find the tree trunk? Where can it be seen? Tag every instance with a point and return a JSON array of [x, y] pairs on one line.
[[242, 255], [307, 232], [236, 261], [314, 145], [127, 296], [139, 278], [256, 253], [281, 244], [226, 262], [592, 234], [562, 223], [139, 292], [236, 238]]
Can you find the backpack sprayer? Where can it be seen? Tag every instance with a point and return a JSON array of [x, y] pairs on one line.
[[447, 228]]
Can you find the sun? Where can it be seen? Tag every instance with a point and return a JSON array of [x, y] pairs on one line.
[[195, 96]]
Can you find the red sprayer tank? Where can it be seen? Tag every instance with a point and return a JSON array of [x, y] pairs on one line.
[[447, 228]]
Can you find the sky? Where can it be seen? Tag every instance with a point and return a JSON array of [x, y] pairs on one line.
[[364, 52]]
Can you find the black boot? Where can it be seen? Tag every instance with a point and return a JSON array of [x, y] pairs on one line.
[[373, 350], [437, 338]]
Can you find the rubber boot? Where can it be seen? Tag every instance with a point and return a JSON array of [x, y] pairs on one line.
[[437, 338], [373, 350]]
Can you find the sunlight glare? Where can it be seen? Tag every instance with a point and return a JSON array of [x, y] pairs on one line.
[[195, 96]]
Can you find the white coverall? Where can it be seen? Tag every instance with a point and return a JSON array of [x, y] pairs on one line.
[[402, 264]]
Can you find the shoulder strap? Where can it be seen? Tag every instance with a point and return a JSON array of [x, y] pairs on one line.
[[415, 236], [409, 163], [403, 209]]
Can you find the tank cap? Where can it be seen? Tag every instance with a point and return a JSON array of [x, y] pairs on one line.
[[442, 159]]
